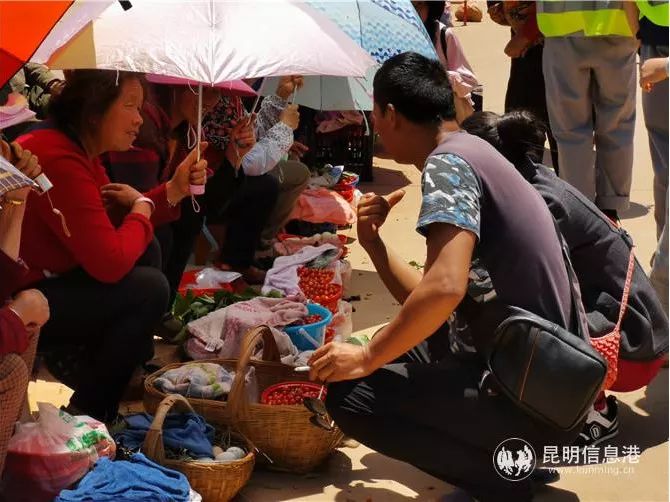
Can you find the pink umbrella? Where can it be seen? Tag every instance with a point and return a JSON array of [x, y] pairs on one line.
[[233, 88]]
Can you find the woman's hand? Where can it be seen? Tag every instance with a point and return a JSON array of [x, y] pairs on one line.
[[290, 116], [516, 47], [288, 85], [297, 150], [242, 139], [118, 195], [25, 162], [189, 172], [32, 307], [336, 361]]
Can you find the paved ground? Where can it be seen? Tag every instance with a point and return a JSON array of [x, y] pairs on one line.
[[362, 475]]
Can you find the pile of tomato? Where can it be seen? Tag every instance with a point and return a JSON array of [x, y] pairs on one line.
[[310, 319], [316, 284], [290, 394]]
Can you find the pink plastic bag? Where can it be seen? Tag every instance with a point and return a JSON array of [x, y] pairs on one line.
[[46, 456], [320, 205]]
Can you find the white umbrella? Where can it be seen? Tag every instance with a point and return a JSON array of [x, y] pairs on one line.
[[208, 41], [330, 93]]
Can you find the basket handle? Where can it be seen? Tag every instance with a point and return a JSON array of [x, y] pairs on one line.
[[153, 442], [238, 403]]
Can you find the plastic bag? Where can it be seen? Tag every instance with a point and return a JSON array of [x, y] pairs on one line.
[[342, 323], [213, 278], [46, 456]]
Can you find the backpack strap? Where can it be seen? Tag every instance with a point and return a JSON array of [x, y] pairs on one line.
[[626, 289]]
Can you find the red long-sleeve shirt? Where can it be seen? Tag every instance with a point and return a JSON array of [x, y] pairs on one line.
[[107, 253]]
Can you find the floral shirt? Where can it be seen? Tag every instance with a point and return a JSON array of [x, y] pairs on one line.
[[274, 137]]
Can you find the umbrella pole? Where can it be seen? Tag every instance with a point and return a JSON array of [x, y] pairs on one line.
[[199, 128], [198, 189]]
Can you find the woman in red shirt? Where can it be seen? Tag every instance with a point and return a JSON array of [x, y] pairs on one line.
[[95, 264]]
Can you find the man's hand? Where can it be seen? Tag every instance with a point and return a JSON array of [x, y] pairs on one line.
[[32, 307], [653, 71], [372, 213], [336, 361], [288, 85]]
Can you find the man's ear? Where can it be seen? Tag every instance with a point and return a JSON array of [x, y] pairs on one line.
[[392, 116]]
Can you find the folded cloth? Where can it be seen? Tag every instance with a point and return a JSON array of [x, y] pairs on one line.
[[221, 331], [292, 245], [320, 205], [186, 431], [283, 276], [136, 480], [203, 380]]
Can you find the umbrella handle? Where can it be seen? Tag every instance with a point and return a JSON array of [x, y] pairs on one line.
[[198, 189]]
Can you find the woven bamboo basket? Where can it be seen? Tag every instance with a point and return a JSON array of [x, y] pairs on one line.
[[282, 434], [215, 482]]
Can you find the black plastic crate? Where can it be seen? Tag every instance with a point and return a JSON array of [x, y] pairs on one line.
[[348, 146]]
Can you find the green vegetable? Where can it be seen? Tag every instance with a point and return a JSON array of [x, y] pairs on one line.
[[358, 340]]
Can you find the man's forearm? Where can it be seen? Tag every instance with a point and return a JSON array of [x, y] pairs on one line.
[[399, 277]]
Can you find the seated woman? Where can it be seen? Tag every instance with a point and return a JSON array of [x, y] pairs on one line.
[[23, 316], [599, 252], [275, 124], [92, 258], [244, 204]]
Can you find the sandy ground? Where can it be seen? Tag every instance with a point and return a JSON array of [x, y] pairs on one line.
[[362, 475]]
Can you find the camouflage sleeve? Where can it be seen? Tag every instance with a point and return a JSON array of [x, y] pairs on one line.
[[451, 194]]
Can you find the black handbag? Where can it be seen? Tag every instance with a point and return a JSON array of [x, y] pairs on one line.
[[551, 373]]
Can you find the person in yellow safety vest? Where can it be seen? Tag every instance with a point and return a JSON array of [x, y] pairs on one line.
[[589, 71]]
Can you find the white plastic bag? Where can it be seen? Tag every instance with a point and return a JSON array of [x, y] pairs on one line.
[[213, 278]]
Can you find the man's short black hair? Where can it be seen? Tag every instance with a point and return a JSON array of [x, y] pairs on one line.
[[418, 88]]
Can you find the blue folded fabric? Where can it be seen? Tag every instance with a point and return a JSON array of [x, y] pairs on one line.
[[136, 480], [187, 431]]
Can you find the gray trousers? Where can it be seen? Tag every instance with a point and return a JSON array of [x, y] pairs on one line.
[[583, 75], [655, 108], [293, 177]]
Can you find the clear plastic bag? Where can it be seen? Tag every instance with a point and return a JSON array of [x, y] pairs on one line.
[[46, 456], [342, 323]]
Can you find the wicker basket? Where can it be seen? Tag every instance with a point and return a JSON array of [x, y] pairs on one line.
[[215, 482], [282, 434]]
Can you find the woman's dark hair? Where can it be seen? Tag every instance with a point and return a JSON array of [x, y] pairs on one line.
[[418, 88], [522, 135], [435, 11], [517, 135], [87, 96], [485, 126]]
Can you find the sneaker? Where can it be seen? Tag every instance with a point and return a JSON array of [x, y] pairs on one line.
[[600, 425]]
